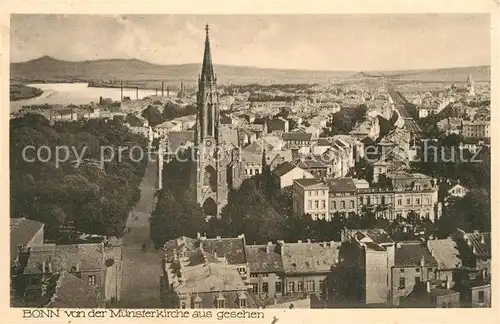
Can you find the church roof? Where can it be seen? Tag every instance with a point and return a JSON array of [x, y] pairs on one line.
[[207, 70]]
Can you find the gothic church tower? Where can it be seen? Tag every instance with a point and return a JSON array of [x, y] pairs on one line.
[[211, 170]]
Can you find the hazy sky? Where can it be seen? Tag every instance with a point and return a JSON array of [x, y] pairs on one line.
[[326, 42]]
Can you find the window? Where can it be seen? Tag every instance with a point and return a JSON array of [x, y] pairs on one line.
[[310, 285], [402, 270], [480, 296], [197, 304], [255, 289], [183, 305], [265, 287], [246, 172], [250, 171], [382, 200], [351, 204], [342, 204], [256, 171], [253, 275], [316, 204], [291, 286], [92, 280], [402, 284], [408, 201], [315, 192], [300, 286], [417, 201], [242, 270], [400, 202], [417, 269], [278, 287], [334, 203], [243, 302], [368, 200], [309, 204], [323, 204], [220, 302], [264, 275]]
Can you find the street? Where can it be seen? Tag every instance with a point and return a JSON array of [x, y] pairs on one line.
[[141, 269]]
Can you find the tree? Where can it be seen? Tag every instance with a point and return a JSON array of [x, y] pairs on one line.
[[153, 115]]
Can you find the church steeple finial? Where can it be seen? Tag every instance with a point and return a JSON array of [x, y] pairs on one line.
[[207, 69]]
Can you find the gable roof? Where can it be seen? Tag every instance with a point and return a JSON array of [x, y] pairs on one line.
[[22, 231], [411, 253], [310, 183], [283, 169]]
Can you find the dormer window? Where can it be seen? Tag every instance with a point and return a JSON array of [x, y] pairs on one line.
[[242, 300], [220, 301], [197, 302]]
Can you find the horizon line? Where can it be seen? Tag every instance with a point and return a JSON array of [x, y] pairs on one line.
[[254, 67]]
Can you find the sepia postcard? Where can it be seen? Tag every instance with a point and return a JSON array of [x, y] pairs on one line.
[[251, 164]]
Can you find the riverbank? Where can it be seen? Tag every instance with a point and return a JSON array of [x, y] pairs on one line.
[[22, 92]]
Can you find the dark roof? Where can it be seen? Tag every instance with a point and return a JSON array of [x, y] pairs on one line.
[[233, 249], [22, 231], [410, 254], [296, 136], [342, 185], [283, 169], [178, 139], [308, 182], [73, 292], [259, 260], [88, 257], [481, 243]]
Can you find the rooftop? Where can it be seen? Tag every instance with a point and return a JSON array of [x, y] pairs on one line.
[[309, 257], [296, 136], [310, 183], [260, 260], [445, 252], [233, 249], [22, 231], [342, 185], [73, 292], [283, 169], [410, 254]]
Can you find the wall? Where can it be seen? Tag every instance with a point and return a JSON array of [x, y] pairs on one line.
[[271, 279], [409, 273], [448, 301], [318, 280], [376, 277], [475, 296]]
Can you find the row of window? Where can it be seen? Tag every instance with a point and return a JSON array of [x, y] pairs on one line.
[[265, 288], [298, 286], [317, 204], [316, 193], [343, 204], [251, 171]]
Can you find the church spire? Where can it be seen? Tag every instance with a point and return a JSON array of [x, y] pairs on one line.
[[207, 69]]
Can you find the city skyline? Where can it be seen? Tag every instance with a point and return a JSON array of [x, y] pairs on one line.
[[280, 42]]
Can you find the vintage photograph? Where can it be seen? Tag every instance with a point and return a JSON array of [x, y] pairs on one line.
[[250, 161]]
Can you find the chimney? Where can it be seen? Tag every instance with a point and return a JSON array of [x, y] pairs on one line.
[[269, 247], [282, 245], [198, 235], [482, 239], [428, 286], [448, 284], [78, 267]]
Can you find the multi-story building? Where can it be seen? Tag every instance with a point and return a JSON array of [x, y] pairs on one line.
[[97, 265], [310, 196], [416, 193], [378, 200], [476, 128], [297, 140], [366, 260], [251, 157], [266, 271], [194, 278], [315, 166], [306, 266], [413, 265], [343, 196]]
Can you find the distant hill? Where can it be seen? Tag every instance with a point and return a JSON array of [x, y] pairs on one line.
[[50, 69]]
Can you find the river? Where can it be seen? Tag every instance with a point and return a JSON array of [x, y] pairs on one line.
[[75, 93]]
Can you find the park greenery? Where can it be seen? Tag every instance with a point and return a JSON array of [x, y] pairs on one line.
[[93, 197]]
